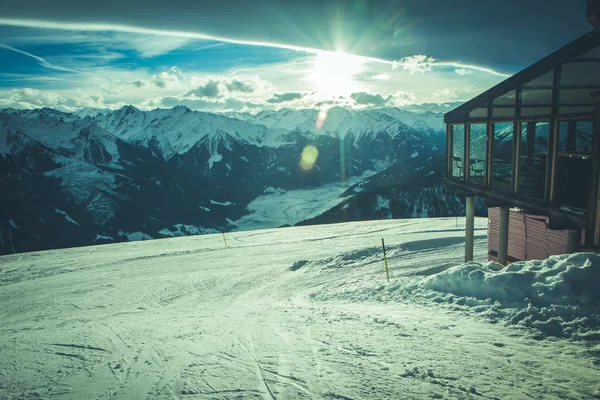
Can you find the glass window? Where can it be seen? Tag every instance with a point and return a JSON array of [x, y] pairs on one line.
[[575, 137], [574, 164], [575, 96], [543, 80], [477, 152], [458, 151], [580, 74], [537, 98], [478, 113], [532, 159], [502, 156], [535, 112], [595, 53], [564, 110]]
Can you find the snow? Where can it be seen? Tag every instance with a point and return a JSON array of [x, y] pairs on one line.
[[67, 217], [414, 154], [215, 158], [218, 203], [342, 121], [13, 224], [382, 203], [277, 207], [295, 313], [135, 236], [285, 313], [103, 237], [156, 181], [176, 130], [83, 181], [186, 230], [559, 296], [280, 207]]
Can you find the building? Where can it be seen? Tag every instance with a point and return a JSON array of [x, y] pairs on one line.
[[532, 142]]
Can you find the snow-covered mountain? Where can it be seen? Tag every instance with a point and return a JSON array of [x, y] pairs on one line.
[[101, 176]]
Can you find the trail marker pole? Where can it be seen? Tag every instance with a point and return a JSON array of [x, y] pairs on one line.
[[225, 240], [387, 274]]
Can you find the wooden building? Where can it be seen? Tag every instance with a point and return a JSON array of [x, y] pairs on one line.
[[532, 142]]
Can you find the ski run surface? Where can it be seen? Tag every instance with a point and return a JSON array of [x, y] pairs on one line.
[[299, 313]]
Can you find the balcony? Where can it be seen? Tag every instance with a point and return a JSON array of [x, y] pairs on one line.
[[533, 141]]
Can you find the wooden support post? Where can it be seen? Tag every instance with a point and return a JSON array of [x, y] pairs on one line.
[[467, 149], [449, 150], [387, 273], [489, 149], [516, 155], [503, 235], [572, 241], [470, 228], [553, 130]]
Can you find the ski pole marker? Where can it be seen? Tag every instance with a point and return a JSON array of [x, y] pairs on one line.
[[387, 274]]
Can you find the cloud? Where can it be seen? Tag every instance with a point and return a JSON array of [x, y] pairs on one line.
[[446, 92], [402, 98], [151, 45], [415, 64], [210, 89], [453, 94], [28, 98], [376, 100], [138, 84], [43, 62], [434, 107], [380, 77], [229, 104], [168, 79], [463, 71], [373, 28], [285, 97], [239, 86]]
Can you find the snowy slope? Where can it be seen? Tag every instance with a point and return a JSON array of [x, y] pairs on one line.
[[293, 313]]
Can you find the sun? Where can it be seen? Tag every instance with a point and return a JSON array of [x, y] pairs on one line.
[[333, 73]]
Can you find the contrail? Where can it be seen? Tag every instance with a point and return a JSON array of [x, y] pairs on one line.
[[245, 68], [41, 60], [195, 35]]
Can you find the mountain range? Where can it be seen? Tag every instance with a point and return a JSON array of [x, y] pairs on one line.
[[101, 176]]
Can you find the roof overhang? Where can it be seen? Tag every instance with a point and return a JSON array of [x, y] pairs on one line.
[[593, 13], [573, 50]]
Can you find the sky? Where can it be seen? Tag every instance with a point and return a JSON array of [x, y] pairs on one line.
[[235, 55]]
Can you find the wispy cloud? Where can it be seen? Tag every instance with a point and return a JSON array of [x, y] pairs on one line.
[[41, 60], [463, 71], [285, 97]]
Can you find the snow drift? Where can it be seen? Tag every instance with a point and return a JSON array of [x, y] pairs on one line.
[[559, 296]]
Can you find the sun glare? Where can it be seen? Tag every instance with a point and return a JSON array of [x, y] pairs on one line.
[[334, 72], [309, 157]]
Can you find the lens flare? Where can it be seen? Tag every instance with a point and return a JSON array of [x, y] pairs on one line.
[[309, 157], [321, 118]]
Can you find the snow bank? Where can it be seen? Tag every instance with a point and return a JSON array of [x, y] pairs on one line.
[[559, 296]]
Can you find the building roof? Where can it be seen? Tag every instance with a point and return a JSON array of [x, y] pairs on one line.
[[578, 64]]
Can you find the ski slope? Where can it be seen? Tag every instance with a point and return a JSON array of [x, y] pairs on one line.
[[293, 313]]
